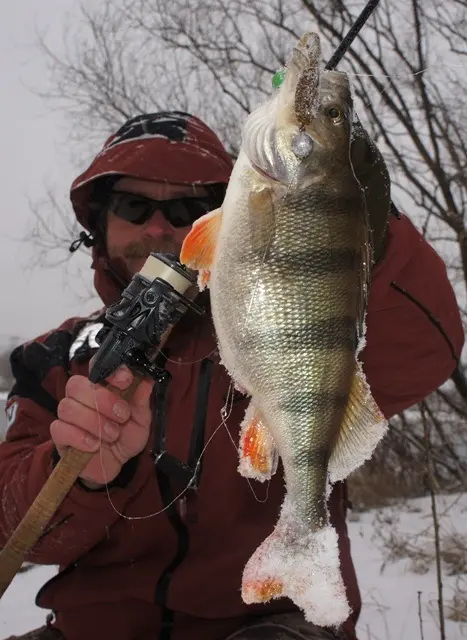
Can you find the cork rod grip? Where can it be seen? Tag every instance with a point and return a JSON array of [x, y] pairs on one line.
[[49, 499]]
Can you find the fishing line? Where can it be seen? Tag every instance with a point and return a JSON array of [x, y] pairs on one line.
[[161, 351], [347, 41], [387, 75], [150, 515], [225, 414], [224, 417], [265, 499]]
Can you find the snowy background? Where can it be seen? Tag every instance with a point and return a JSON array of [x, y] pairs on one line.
[[3, 396], [392, 588], [35, 156]]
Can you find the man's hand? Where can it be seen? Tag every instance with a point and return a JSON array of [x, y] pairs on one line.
[[92, 416]]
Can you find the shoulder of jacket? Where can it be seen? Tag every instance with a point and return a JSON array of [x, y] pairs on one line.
[[57, 347]]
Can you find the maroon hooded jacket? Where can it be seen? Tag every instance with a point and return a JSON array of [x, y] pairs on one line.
[[148, 561]]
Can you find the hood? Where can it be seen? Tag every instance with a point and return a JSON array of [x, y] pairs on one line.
[[168, 146]]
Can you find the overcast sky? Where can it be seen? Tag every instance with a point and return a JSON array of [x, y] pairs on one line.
[[33, 153]]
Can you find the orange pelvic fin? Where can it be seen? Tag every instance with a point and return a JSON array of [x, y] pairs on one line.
[[258, 453], [199, 247]]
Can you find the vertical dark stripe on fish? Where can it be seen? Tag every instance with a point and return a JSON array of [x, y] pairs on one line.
[[316, 457], [334, 333], [314, 401], [311, 205], [316, 261]]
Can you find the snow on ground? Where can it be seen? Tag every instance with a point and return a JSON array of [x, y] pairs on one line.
[[18, 613], [390, 590]]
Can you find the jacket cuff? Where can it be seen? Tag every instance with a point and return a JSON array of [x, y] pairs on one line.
[[126, 475], [78, 497]]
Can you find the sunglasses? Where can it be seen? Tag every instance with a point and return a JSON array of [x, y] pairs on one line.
[[179, 212]]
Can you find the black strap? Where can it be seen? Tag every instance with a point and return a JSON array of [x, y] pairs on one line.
[[182, 473], [84, 238], [180, 528], [169, 469], [158, 405], [199, 422]]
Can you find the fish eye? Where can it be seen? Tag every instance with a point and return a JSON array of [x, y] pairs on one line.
[[334, 113]]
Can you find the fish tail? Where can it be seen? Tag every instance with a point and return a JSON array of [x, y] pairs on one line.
[[301, 564]]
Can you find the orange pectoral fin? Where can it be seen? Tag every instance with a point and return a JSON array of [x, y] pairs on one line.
[[199, 246]]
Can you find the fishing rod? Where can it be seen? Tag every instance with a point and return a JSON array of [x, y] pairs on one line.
[[152, 304], [345, 45], [351, 35]]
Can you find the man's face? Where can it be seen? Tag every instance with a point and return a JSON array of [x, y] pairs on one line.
[[134, 242]]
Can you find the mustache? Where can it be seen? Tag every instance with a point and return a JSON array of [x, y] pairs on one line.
[[142, 248]]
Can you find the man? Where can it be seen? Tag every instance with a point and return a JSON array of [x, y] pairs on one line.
[[140, 556]]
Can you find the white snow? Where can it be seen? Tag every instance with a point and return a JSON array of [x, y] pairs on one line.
[[389, 591], [18, 613]]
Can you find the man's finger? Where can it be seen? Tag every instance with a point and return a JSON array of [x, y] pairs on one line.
[[68, 435], [72, 412], [143, 393], [98, 398], [140, 402], [120, 378]]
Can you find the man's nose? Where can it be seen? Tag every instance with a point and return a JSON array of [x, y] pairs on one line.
[[157, 225]]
